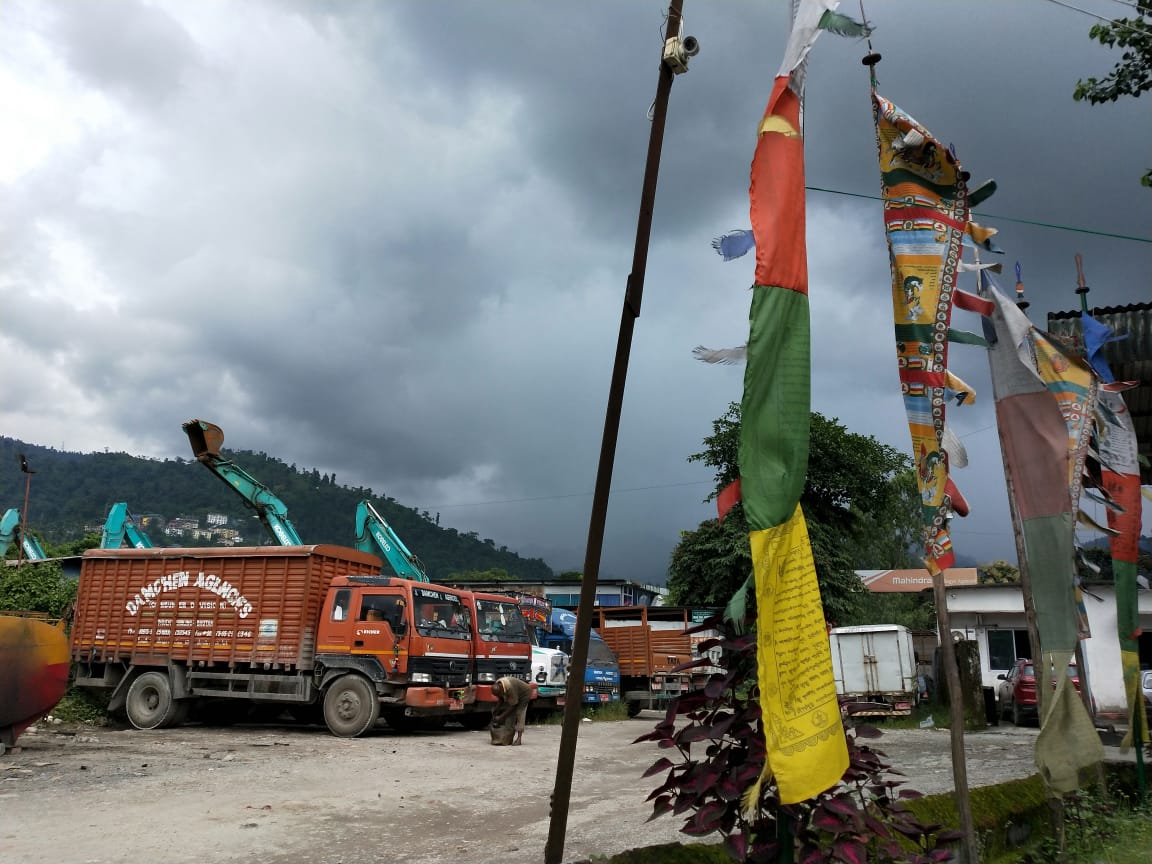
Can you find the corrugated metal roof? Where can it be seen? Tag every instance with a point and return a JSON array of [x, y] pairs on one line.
[[1129, 359]]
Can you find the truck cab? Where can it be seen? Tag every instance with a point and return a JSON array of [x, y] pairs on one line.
[[601, 672], [412, 639], [501, 646]]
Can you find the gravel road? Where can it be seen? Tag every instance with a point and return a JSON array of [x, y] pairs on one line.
[[277, 794]]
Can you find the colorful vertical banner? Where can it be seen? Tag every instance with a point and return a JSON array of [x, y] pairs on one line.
[[1074, 386], [1116, 448], [926, 219], [1035, 438], [804, 736]]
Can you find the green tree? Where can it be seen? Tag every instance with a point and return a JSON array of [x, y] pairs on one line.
[[74, 547], [37, 587], [999, 572], [916, 611], [1132, 75], [859, 502]]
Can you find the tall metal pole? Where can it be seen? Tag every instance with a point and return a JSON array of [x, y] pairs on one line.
[[28, 472], [561, 794]]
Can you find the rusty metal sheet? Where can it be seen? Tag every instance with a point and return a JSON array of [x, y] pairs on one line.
[[33, 672]]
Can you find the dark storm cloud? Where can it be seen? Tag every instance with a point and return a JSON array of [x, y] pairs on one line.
[[391, 240]]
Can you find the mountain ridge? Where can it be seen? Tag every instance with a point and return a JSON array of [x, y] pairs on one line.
[[71, 491]]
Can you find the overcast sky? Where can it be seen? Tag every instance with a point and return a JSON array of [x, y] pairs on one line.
[[390, 240]]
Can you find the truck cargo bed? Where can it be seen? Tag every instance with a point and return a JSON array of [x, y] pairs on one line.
[[252, 606]]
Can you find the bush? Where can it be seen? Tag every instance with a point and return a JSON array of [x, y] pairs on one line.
[[721, 749], [83, 706], [37, 587]]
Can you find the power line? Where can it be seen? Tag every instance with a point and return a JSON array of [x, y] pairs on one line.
[[1115, 23], [1003, 218]]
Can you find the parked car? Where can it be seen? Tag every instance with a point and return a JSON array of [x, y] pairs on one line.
[[1016, 694]]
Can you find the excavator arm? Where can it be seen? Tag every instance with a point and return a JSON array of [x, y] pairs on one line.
[[11, 530], [120, 527], [375, 536], [206, 440]]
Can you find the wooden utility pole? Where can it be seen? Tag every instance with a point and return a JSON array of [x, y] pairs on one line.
[[574, 699], [968, 850]]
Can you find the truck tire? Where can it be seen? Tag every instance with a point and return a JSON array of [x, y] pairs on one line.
[[635, 706], [149, 704], [350, 707]]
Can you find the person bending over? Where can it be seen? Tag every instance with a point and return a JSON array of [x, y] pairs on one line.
[[513, 696]]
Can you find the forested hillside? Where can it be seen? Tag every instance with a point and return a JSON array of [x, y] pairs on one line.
[[73, 491]]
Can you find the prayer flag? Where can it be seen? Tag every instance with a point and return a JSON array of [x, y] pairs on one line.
[[926, 220], [1037, 456], [804, 735]]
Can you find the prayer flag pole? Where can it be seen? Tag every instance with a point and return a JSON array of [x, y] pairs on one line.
[[562, 791]]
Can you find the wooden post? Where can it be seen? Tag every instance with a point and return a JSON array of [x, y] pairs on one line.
[[969, 853]]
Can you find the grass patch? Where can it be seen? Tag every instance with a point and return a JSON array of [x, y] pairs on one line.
[[938, 714], [1098, 830], [603, 712], [606, 711], [82, 706]]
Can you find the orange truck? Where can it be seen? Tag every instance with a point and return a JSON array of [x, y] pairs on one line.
[[308, 628], [649, 644]]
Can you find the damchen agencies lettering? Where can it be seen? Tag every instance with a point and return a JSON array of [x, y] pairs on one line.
[[182, 579]]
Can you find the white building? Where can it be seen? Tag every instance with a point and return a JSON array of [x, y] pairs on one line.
[[993, 615]]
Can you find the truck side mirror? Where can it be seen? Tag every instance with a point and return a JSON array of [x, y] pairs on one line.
[[1001, 677]]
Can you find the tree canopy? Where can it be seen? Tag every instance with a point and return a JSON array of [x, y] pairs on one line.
[[998, 572], [859, 501], [1132, 74]]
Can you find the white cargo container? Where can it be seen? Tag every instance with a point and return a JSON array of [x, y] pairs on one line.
[[875, 669]]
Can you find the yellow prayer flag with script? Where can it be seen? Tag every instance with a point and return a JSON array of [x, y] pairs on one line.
[[807, 751]]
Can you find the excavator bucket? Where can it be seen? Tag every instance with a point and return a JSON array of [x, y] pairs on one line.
[[206, 439]]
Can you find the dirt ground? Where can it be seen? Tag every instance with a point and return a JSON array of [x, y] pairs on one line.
[[277, 794]]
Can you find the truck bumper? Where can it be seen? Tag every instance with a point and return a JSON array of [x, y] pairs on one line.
[[437, 700]]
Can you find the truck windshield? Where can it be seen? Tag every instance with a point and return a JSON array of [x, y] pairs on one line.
[[440, 613], [500, 621], [599, 654]]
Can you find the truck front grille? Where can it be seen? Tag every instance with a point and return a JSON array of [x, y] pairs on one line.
[[517, 668], [444, 671]]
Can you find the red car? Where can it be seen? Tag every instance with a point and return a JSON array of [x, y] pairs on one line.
[[1017, 691]]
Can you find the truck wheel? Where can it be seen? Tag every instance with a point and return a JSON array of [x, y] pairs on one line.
[[149, 704], [350, 707], [634, 707]]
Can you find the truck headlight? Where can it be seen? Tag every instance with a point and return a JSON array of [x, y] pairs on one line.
[[486, 677], [541, 677], [421, 677]]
